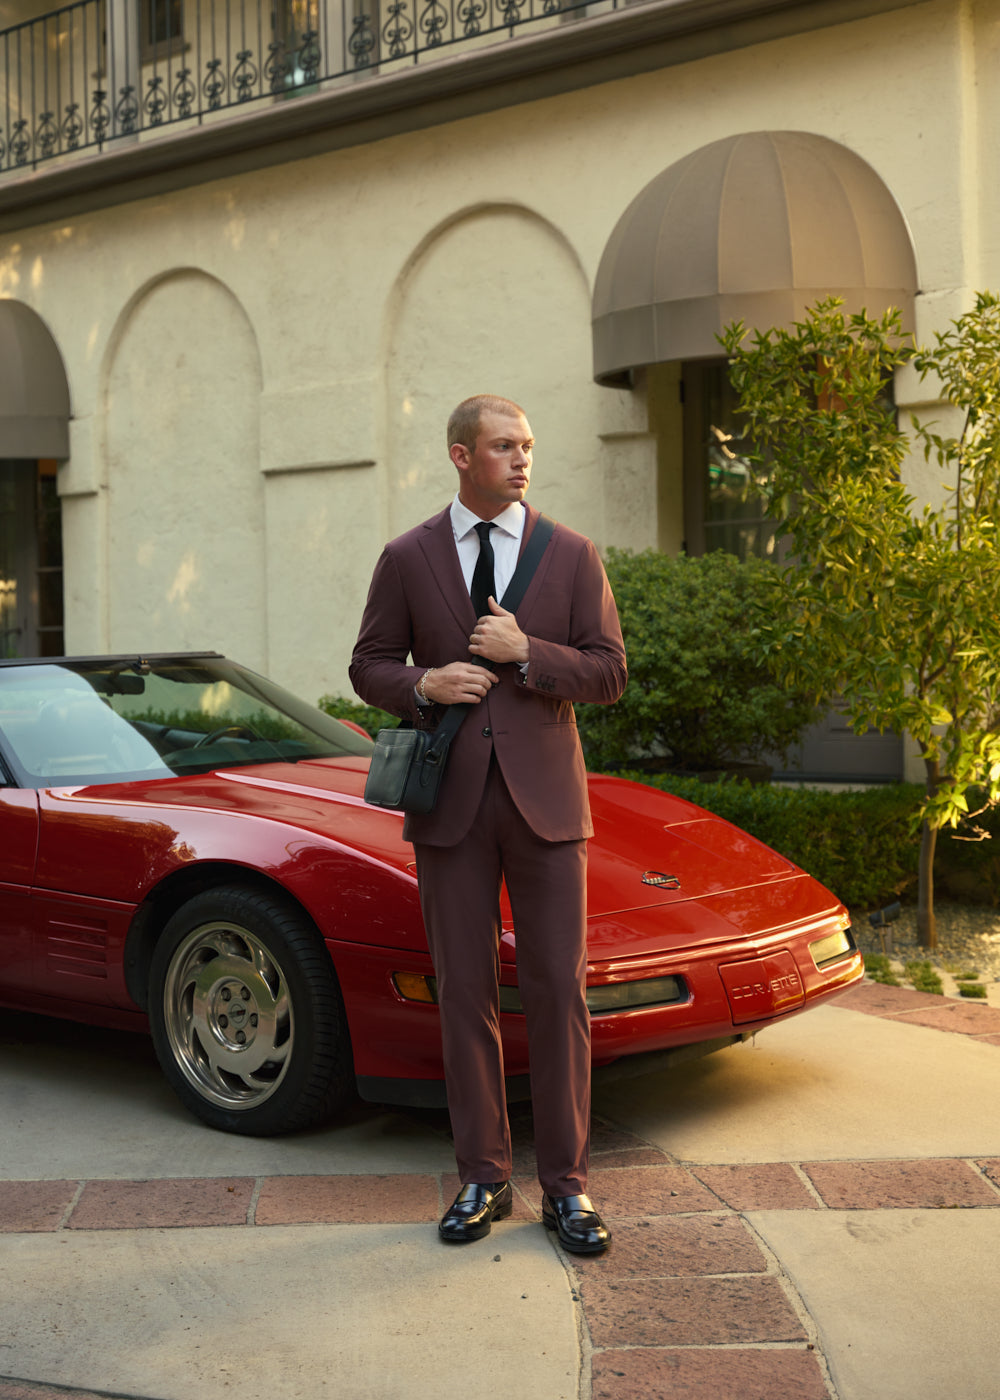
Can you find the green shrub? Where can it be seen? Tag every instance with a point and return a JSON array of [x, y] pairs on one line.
[[879, 969], [922, 975], [859, 844], [370, 718], [973, 989], [699, 687]]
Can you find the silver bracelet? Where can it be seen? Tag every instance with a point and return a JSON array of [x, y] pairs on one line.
[[422, 686]]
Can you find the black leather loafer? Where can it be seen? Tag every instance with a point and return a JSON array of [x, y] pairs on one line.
[[581, 1230], [474, 1210]]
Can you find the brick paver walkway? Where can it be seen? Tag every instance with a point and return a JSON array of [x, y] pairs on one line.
[[688, 1301]]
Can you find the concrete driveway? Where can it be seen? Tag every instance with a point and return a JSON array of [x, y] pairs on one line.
[[814, 1215]]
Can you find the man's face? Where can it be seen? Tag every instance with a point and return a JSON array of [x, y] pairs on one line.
[[497, 470]]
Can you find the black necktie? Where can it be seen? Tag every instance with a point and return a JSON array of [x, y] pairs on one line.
[[483, 583]]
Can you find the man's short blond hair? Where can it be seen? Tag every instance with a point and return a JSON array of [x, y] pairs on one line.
[[463, 425]]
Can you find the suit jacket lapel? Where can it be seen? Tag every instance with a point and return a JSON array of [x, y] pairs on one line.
[[437, 542], [438, 545]]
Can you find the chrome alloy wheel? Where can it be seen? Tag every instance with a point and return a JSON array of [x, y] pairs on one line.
[[228, 1016]]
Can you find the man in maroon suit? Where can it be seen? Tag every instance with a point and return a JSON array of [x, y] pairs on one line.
[[513, 803]]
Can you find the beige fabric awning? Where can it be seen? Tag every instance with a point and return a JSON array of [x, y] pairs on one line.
[[755, 227], [34, 395]]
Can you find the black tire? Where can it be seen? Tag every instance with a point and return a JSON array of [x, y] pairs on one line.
[[246, 1014]]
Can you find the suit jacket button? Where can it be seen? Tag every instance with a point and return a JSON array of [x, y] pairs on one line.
[[487, 732]]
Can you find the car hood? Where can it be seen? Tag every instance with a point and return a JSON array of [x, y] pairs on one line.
[[649, 848], [672, 875], [662, 871]]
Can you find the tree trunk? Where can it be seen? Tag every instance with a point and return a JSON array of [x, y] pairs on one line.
[[926, 922]]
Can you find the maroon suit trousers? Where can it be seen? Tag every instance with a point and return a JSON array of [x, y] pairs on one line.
[[460, 897]]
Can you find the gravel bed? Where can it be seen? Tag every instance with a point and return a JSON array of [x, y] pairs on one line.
[[968, 935]]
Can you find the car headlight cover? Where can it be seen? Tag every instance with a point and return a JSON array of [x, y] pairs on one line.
[[833, 946], [623, 996], [614, 996]]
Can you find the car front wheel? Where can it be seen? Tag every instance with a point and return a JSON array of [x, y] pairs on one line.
[[246, 1014]]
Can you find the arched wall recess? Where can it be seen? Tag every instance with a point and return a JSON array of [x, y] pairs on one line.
[[494, 300], [185, 515]]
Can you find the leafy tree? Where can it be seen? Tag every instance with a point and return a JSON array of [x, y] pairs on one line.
[[891, 605], [699, 692]]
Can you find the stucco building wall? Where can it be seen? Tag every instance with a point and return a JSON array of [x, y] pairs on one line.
[[260, 367]]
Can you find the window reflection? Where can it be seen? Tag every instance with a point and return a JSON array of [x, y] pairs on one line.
[[718, 473]]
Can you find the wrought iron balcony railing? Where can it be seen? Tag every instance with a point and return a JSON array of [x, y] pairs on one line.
[[101, 71]]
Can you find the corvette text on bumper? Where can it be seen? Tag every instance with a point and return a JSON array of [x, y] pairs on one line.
[[761, 987]]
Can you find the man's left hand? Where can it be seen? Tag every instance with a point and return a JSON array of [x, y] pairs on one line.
[[498, 638]]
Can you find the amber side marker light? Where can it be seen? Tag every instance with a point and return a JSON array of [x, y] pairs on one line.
[[412, 987], [616, 996]]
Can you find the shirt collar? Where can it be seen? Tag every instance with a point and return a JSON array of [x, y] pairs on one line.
[[511, 520]]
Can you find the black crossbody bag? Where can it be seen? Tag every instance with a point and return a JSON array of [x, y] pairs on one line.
[[408, 764]]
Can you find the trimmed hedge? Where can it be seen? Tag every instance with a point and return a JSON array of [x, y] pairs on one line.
[[861, 845], [370, 718]]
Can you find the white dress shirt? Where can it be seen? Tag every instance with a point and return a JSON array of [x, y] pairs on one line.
[[505, 539]]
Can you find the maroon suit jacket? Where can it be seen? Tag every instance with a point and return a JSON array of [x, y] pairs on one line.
[[419, 607]]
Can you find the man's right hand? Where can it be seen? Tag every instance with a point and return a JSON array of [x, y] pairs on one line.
[[459, 683]]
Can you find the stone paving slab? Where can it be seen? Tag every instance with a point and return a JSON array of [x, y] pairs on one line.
[[876, 999], [694, 1374], [990, 1167], [638, 1206], [191, 1202], [676, 1246], [298, 1200], [757, 1186], [650, 1191], [670, 1312], [35, 1205], [965, 1017], [923, 1009], [927, 1185]]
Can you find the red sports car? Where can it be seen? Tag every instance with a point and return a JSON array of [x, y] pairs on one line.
[[186, 845]]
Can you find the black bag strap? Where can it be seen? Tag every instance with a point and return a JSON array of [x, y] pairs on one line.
[[527, 564], [511, 600]]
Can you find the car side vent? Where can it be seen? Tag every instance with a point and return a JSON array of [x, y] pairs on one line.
[[78, 947], [663, 882]]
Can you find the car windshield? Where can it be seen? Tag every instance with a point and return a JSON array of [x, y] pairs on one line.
[[72, 722]]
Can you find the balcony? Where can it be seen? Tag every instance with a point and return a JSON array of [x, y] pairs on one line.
[[104, 101], [100, 73]]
